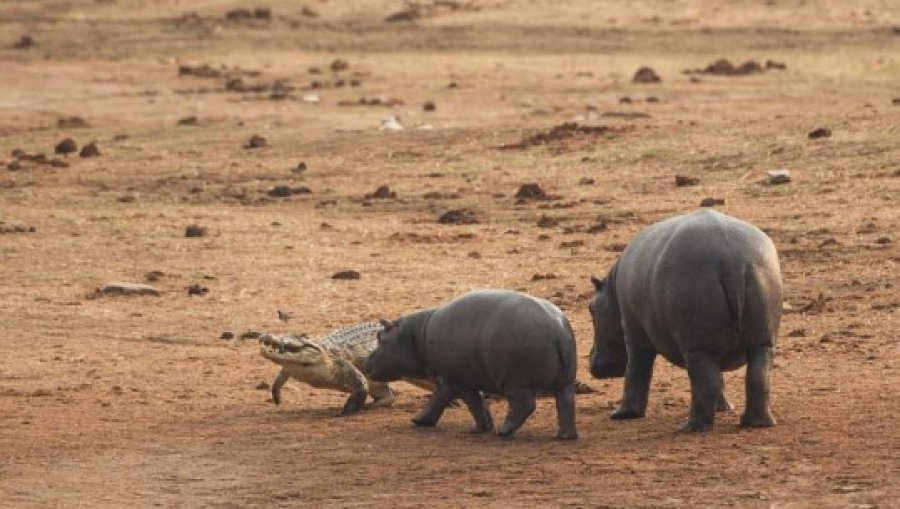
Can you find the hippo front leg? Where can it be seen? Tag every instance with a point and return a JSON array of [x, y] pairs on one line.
[[638, 373], [521, 405], [757, 413], [279, 382], [437, 403], [706, 387]]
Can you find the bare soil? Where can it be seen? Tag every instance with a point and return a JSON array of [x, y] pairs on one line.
[[119, 401]]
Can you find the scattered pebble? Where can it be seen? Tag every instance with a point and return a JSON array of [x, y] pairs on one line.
[[541, 277], [255, 141], [24, 42], [310, 98], [597, 228], [89, 150], [429, 106], [586, 181], [194, 230], [286, 191], [646, 75], [196, 289], [66, 147], [191, 120], [119, 288], [778, 177], [458, 216], [390, 123], [547, 222], [625, 100], [71, 123], [383, 192], [712, 202], [346, 275], [683, 181], [338, 65], [819, 132], [300, 168], [250, 334], [154, 276], [262, 386], [227, 335], [531, 192]]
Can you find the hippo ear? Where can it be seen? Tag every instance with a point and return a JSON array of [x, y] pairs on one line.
[[598, 283], [388, 326]]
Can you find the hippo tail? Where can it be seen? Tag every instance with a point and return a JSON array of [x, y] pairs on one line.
[[568, 359], [736, 283]]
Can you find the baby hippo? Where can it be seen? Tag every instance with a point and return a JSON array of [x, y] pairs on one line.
[[704, 291], [484, 342]]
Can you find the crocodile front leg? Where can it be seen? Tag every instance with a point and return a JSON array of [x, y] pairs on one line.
[[356, 383], [279, 382]]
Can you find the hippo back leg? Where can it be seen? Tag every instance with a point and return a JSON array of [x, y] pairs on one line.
[[706, 387], [475, 401], [521, 405], [565, 412], [759, 363], [723, 405], [638, 373], [441, 397]]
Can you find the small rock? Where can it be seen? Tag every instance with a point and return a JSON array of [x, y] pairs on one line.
[[14, 166], [571, 244], [120, 288], [89, 150], [778, 177], [541, 277], [646, 75], [896, 101], [712, 202], [58, 163], [255, 141], [126, 199], [410, 14], [458, 216], [238, 14], [429, 106], [154, 276], [262, 386], [284, 316], [338, 65], [24, 42], [547, 222], [597, 228], [797, 333], [227, 335], [453, 84], [310, 98], [308, 12], [300, 168], [819, 132], [196, 289], [71, 123], [286, 191], [883, 240], [390, 123], [191, 120], [771, 64], [66, 147], [625, 100], [475, 255], [531, 192], [262, 13], [682, 181], [250, 334], [652, 99], [193, 230], [346, 275], [384, 192], [586, 181]]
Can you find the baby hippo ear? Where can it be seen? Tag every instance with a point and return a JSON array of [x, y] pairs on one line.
[[598, 283], [388, 326]]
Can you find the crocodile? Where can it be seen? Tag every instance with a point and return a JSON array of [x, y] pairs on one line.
[[333, 361]]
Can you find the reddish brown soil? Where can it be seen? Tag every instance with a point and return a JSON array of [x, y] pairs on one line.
[[117, 401]]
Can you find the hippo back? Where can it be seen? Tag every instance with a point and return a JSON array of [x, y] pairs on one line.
[[702, 280]]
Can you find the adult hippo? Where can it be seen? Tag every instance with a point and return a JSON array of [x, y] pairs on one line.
[[491, 342], [704, 291]]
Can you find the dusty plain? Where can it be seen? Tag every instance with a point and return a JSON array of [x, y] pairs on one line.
[[136, 401]]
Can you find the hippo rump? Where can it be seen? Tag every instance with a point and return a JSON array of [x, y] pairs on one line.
[[484, 342], [704, 291]]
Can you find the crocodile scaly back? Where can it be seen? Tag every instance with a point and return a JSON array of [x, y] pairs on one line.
[[353, 343]]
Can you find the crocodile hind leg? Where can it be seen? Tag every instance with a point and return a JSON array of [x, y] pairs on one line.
[[381, 393], [279, 382]]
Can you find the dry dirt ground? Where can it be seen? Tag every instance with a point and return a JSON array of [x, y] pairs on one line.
[[115, 401]]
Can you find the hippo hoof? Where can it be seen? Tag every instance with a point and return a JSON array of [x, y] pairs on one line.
[[724, 405], [625, 413], [424, 423], [695, 427], [566, 435], [750, 421]]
